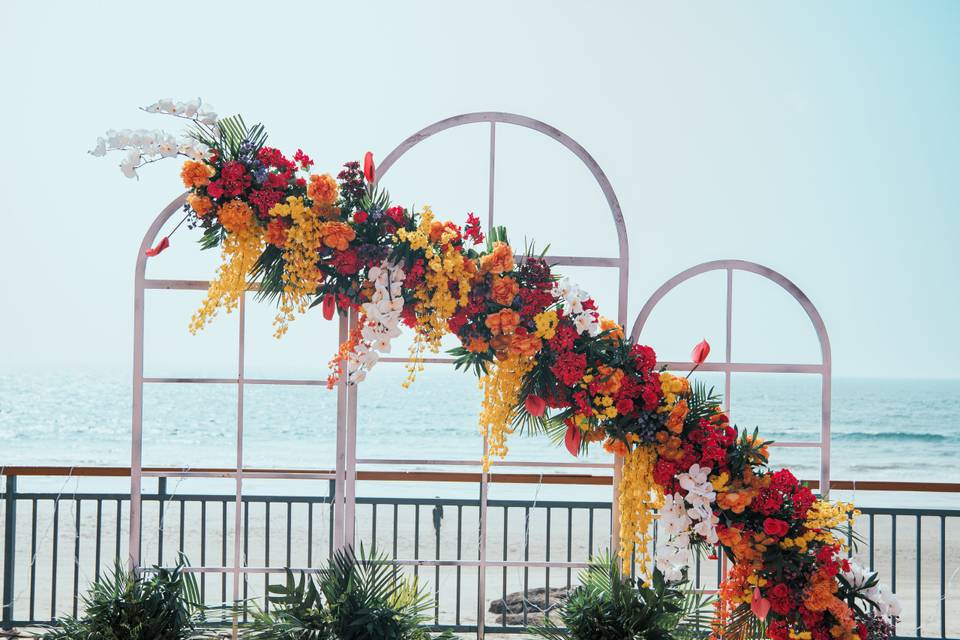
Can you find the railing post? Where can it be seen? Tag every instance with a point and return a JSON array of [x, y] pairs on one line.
[[9, 549]]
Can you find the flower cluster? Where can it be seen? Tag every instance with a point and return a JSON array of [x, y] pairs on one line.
[[546, 358]]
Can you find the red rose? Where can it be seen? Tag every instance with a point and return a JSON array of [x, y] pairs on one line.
[[624, 406], [360, 217], [775, 528]]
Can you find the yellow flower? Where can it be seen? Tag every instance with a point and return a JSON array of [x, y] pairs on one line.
[[546, 324]]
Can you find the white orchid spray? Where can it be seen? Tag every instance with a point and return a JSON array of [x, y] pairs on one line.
[[380, 320], [684, 517], [143, 146]]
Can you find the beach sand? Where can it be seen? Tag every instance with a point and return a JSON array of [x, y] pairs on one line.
[[76, 558]]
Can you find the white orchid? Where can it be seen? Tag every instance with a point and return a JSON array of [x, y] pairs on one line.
[[100, 149], [168, 147]]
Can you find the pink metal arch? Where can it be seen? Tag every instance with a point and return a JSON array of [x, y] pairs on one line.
[[728, 366], [621, 263]]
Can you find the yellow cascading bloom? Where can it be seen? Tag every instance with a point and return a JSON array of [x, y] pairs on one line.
[[546, 324], [639, 496], [238, 254], [301, 276], [435, 305], [501, 394]]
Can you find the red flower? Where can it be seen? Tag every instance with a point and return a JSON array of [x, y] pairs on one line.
[[161, 246], [569, 368], [775, 528], [396, 214], [472, 230], [303, 159], [535, 405], [409, 316], [624, 406], [572, 438], [368, 169], [329, 306], [700, 352], [264, 199], [360, 217], [234, 179], [346, 262]]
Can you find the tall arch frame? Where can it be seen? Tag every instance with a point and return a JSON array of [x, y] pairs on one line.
[[728, 366]]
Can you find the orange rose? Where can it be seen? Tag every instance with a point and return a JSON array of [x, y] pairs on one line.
[[337, 235], [201, 205], [323, 189], [499, 261], [677, 415], [503, 322], [436, 231], [195, 174], [276, 233], [503, 290], [526, 345], [236, 216]]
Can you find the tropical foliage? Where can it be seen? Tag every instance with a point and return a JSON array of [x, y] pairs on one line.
[[611, 606], [352, 599], [164, 604]]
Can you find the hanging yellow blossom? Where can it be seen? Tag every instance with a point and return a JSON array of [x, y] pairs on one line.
[[301, 276], [501, 391], [239, 253], [639, 496]]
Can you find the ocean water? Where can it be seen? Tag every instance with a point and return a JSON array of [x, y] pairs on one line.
[[881, 429]]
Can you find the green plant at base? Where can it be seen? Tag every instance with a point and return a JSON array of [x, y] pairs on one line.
[[609, 606], [352, 599], [164, 605]]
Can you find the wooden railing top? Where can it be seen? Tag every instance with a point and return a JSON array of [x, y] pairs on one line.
[[451, 476]]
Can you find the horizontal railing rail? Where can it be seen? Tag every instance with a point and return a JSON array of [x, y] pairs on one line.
[[56, 542]]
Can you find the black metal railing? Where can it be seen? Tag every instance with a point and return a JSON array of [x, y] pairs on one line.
[[56, 543]]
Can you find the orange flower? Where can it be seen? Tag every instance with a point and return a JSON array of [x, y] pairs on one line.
[[201, 205], [436, 231], [616, 331], [276, 233], [337, 235], [236, 216], [595, 435], [609, 380], [735, 501], [503, 322], [195, 174], [677, 415], [477, 345], [526, 345], [503, 290], [501, 344], [499, 261], [323, 189], [615, 446]]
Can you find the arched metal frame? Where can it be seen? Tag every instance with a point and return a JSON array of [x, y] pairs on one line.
[[621, 263], [346, 461], [729, 366]]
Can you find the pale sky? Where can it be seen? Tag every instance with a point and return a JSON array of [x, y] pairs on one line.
[[818, 138]]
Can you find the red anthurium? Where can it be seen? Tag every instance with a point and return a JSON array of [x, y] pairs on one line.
[[760, 605], [572, 439], [329, 306], [700, 352], [163, 244], [368, 171], [535, 405]]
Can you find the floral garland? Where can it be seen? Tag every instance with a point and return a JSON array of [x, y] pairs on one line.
[[546, 359]]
